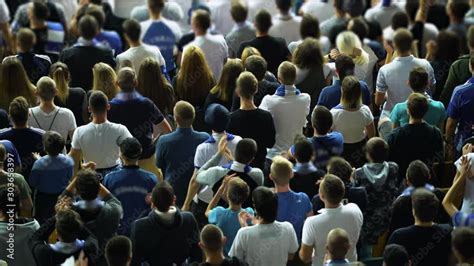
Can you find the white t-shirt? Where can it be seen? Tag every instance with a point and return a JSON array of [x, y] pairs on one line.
[[316, 229], [215, 49], [255, 5], [70, 7], [468, 200], [136, 55], [123, 7], [185, 5], [4, 12], [324, 42], [318, 9], [352, 124], [220, 15], [382, 15], [430, 32], [60, 120], [393, 79], [265, 244], [289, 109], [99, 143], [286, 27]]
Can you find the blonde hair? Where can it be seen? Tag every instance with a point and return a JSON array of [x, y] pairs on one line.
[[287, 73], [153, 84], [14, 82], [105, 80], [351, 93], [281, 170], [227, 83], [59, 72], [346, 42], [194, 80], [248, 52], [184, 114]]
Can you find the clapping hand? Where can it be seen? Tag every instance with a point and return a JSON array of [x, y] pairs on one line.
[[465, 167], [224, 150], [64, 202], [244, 217]]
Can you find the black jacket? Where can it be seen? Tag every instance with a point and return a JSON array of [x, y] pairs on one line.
[[159, 243]]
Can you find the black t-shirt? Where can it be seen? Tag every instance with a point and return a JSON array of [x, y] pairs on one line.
[[427, 246], [26, 141], [4, 121], [274, 50], [415, 142], [227, 262], [255, 124], [75, 102], [306, 182], [138, 114]]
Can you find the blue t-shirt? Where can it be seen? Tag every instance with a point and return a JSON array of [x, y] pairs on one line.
[[138, 114], [109, 39], [175, 157], [461, 108], [435, 116], [131, 186], [325, 147], [462, 219], [11, 153], [293, 208], [228, 221], [51, 174], [330, 96], [160, 34]]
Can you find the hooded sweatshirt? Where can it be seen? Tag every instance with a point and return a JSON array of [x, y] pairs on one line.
[[23, 230], [381, 183], [160, 240]]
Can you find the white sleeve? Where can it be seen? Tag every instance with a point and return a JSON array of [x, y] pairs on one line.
[[263, 104], [72, 121], [76, 142], [4, 12], [308, 236], [199, 158], [293, 239]]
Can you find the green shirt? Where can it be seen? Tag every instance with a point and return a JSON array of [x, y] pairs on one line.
[[19, 182], [435, 116], [459, 73]]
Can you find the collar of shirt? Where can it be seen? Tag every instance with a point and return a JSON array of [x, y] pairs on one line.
[[470, 80], [89, 204], [409, 190], [331, 262], [331, 210], [305, 168], [126, 96], [83, 42], [217, 136], [184, 130], [238, 167], [284, 17], [286, 90], [404, 58], [242, 25], [67, 248]]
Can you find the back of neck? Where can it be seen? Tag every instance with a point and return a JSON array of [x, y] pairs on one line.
[[247, 104]]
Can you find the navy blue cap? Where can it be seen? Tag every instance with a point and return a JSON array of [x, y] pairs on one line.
[[217, 117]]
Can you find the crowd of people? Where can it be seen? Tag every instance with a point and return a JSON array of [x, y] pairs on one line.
[[236, 132]]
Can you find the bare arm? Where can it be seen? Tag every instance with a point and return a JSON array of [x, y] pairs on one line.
[[449, 202], [379, 98], [161, 129], [306, 252], [193, 189], [370, 130], [26, 208], [76, 156]]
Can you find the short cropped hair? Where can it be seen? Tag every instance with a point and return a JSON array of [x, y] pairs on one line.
[[156, 6], [309, 27], [263, 21], [395, 255], [425, 205], [118, 251], [418, 174], [341, 168], [68, 225], [26, 39], [18, 110], [287, 73], [98, 102], [417, 105], [459, 8], [338, 243], [257, 65], [418, 79], [127, 79], [88, 27], [247, 85], [333, 188], [53, 143], [132, 29], [322, 120], [345, 66], [403, 39], [400, 20], [463, 242], [239, 11], [281, 170], [87, 184], [184, 111], [40, 10], [238, 191], [283, 5], [46, 88], [265, 203], [202, 19], [303, 150], [212, 238], [377, 149], [245, 151], [98, 13], [162, 196]]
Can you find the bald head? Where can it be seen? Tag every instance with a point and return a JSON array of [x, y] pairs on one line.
[[338, 243], [127, 79], [46, 88], [184, 114]]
